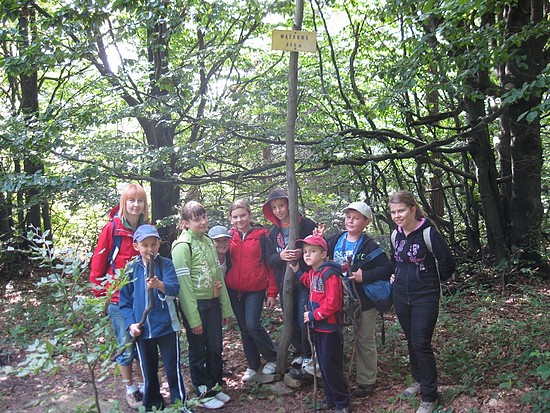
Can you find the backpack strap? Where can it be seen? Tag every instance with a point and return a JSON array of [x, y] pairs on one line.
[[117, 242], [393, 237], [426, 233]]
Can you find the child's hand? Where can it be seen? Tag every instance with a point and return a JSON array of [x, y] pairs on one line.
[[290, 255], [135, 330], [294, 266], [320, 229], [306, 317], [392, 278], [197, 330], [271, 302], [357, 276], [154, 282]]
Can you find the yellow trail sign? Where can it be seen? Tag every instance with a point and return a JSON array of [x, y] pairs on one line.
[[294, 40]]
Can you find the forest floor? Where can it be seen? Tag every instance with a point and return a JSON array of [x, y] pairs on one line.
[[487, 371]]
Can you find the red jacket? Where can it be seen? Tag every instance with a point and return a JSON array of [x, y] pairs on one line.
[[249, 270], [325, 296], [99, 266]]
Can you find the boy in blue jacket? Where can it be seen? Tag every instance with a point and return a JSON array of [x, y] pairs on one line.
[[147, 305]]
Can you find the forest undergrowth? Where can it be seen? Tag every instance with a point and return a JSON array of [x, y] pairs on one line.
[[491, 345]]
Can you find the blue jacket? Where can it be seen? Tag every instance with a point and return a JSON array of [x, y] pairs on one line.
[[415, 266], [134, 298]]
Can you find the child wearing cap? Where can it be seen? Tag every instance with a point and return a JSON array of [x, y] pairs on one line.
[[355, 245], [279, 255], [204, 301], [147, 306], [324, 312], [220, 235]]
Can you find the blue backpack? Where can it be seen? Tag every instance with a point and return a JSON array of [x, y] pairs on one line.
[[379, 292]]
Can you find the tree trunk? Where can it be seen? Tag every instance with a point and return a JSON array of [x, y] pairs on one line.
[[486, 172], [29, 107], [292, 112], [524, 67]]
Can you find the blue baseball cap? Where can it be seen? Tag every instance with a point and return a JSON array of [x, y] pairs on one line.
[[145, 231]]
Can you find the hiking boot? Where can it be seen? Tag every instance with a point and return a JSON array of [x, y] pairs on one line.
[[269, 368], [221, 396], [134, 399], [363, 390], [297, 362], [344, 410], [300, 374], [211, 403], [426, 407], [249, 374], [412, 390]]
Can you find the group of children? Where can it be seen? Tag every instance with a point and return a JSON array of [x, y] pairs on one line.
[[217, 273]]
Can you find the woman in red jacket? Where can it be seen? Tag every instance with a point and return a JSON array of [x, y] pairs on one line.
[[248, 281], [114, 249]]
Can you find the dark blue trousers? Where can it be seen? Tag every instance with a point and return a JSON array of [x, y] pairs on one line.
[[148, 350], [329, 349], [418, 316]]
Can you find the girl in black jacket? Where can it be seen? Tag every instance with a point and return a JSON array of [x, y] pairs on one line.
[[416, 290]]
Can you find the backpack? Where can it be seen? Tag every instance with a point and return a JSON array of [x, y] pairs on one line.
[[351, 306], [379, 292]]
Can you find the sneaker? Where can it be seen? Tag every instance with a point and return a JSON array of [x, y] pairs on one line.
[[363, 390], [412, 390], [211, 403], [305, 362], [297, 362], [134, 399], [249, 374], [221, 396], [300, 374], [344, 410], [426, 407], [270, 368]]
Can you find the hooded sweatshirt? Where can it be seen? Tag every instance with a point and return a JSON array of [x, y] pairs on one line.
[[415, 266], [249, 270], [325, 296], [276, 239]]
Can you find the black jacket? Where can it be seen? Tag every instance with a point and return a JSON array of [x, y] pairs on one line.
[[380, 268], [415, 266]]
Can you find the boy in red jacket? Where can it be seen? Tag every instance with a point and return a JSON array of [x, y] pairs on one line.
[[325, 316]]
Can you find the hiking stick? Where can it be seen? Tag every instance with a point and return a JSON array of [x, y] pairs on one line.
[[355, 324], [314, 360], [151, 274]]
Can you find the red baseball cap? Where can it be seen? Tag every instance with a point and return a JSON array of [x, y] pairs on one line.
[[313, 240]]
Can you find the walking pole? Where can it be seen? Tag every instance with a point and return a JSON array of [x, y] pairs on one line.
[[314, 360]]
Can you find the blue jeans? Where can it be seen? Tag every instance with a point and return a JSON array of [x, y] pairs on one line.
[[122, 336], [247, 307], [418, 316], [205, 350]]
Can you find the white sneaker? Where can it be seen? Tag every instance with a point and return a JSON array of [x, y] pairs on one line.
[[221, 396], [297, 362], [412, 390], [426, 407], [211, 403], [305, 362], [249, 374], [270, 368]]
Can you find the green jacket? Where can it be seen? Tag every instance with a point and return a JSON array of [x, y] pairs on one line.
[[197, 267]]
